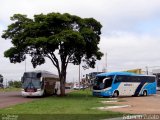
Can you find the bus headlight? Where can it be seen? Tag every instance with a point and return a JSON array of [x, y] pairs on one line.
[[38, 89]]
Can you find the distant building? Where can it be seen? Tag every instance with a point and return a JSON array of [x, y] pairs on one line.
[[92, 76], [137, 71]]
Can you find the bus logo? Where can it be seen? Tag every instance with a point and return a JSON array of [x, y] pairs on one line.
[[127, 84]]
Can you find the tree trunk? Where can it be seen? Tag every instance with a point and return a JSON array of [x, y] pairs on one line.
[[62, 77], [62, 86]]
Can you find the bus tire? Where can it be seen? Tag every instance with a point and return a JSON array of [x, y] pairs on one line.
[[144, 93], [115, 94]]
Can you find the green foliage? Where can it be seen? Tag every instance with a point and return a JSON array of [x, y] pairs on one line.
[[15, 84], [74, 37], [10, 89]]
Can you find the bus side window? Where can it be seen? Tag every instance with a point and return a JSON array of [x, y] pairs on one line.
[[101, 85], [38, 75], [116, 80], [120, 78]]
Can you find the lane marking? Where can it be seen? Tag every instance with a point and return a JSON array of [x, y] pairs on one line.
[[108, 101], [113, 107]]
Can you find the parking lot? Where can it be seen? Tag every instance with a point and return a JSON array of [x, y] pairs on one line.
[[139, 105]]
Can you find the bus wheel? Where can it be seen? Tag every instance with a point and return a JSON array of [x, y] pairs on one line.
[[115, 94], [144, 93]]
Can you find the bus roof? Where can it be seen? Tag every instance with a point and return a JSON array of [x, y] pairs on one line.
[[44, 73], [121, 73]]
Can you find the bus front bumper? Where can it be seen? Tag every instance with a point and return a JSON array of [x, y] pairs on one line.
[[38, 93], [102, 94]]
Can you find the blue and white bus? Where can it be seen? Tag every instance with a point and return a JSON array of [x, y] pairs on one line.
[[124, 84]]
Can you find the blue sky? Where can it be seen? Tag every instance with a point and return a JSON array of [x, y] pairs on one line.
[[130, 33]]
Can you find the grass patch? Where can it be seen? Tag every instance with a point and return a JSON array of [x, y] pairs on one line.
[[9, 89], [75, 106]]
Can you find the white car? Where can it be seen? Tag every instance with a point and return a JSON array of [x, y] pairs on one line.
[[77, 87]]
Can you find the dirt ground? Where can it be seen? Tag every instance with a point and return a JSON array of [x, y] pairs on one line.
[[12, 98], [139, 105]]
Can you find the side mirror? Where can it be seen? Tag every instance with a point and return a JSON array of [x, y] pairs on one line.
[[41, 79], [38, 75]]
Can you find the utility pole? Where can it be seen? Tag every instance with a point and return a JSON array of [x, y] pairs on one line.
[[97, 68], [147, 70], [6, 83], [106, 62], [25, 65]]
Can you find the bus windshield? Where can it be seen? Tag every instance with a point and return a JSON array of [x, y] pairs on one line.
[[102, 82], [31, 80], [31, 83]]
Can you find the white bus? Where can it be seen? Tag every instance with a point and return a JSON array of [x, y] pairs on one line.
[[39, 83]]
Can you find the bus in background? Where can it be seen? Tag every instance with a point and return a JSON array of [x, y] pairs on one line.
[[156, 72], [1, 81], [39, 83], [158, 83], [114, 84]]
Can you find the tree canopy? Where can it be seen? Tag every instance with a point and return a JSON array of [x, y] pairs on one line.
[[75, 39]]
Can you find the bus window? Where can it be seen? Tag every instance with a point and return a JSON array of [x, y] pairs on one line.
[[108, 82], [103, 82], [38, 75], [121, 78], [98, 83], [30, 80]]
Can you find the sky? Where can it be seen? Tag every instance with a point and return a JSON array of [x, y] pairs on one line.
[[130, 36]]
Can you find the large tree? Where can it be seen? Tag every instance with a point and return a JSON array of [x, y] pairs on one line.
[[63, 38]]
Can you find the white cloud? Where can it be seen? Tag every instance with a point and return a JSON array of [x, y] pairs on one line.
[[130, 33], [128, 51]]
